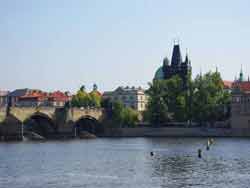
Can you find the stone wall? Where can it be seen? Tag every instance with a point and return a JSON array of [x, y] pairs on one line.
[[241, 121]]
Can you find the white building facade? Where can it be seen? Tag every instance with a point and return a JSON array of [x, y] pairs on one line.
[[132, 97]]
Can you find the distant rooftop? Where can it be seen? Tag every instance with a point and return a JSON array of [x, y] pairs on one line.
[[3, 93], [227, 84], [127, 88], [243, 86]]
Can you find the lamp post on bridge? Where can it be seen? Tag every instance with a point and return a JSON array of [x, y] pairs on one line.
[[75, 131], [22, 130]]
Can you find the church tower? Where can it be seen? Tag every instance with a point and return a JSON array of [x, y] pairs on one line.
[[176, 67], [176, 56]]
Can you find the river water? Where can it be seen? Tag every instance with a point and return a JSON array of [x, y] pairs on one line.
[[112, 163]]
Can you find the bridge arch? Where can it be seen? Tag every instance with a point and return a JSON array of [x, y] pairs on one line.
[[89, 124], [40, 124]]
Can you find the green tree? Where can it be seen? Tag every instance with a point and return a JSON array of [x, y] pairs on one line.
[[117, 113], [209, 98], [84, 99], [95, 99], [175, 98], [167, 100], [129, 117], [204, 100], [123, 116]]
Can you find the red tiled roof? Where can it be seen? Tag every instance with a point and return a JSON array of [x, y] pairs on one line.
[[34, 95], [243, 86], [58, 96], [227, 84]]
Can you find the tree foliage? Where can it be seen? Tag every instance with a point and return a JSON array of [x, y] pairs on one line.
[[210, 102], [121, 116], [166, 101], [204, 100], [84, 99]]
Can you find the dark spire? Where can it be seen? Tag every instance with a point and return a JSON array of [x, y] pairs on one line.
[[187, 59], [165, 62], [176, 57], [241, 75]]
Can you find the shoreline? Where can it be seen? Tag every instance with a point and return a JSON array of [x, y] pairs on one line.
[[176, 132], [148, 132]]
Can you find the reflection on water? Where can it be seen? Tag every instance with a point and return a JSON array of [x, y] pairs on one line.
[[125, 163]]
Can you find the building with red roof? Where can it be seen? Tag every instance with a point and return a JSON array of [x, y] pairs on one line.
[[227, 84], [243, 86], [33, 98], [240, 104], [58, 99]]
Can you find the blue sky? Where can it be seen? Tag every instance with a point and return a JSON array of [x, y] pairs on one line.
[[62, 44]]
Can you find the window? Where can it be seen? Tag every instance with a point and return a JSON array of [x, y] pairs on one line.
[[241, 99], [237, 99], [142, 105]]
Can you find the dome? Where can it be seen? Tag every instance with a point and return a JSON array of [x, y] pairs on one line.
[[159, 74]]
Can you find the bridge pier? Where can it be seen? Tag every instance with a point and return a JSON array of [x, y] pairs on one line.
[[11, 129]]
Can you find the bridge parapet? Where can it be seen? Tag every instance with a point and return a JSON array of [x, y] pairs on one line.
[[23, 113]]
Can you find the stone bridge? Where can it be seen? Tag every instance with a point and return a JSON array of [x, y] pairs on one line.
[[49, 121]]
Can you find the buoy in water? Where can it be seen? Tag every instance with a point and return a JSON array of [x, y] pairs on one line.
[[199, 153], [209, 142], [208, 147], [212, 140]]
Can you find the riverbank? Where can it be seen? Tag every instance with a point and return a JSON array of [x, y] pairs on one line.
[[176, 132], [150, 132]]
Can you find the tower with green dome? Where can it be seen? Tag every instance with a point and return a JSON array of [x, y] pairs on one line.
[[177, 67], [159, 74]]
